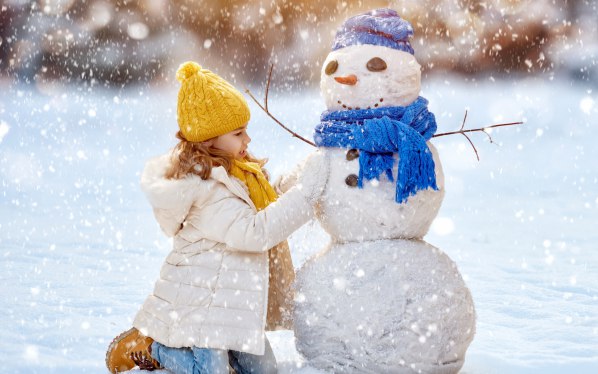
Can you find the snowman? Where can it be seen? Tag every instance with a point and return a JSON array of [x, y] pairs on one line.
[[378, 298]]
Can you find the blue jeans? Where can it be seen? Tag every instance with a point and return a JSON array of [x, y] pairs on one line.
[[213, 361]]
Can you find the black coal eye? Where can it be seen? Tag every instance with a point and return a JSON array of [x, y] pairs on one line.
[[376, 64], [331, 67]]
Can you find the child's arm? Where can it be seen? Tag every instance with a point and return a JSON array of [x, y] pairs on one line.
[[236, 224]]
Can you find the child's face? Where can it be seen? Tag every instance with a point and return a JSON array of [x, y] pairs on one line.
[[234, 142]]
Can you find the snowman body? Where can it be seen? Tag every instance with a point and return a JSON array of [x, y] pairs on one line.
[[378, 298], [351, 214]]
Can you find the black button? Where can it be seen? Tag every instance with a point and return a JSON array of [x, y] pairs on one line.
[[351, 180], [352, 154]]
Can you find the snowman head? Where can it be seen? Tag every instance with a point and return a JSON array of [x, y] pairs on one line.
[[371, 64]]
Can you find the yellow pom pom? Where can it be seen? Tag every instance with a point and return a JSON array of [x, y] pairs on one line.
[[187, 70]]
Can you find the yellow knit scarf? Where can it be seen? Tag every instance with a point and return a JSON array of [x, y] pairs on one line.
[[280, 264], [260, 190]]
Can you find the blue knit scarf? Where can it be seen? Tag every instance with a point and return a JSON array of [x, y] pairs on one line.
[[377, 134]]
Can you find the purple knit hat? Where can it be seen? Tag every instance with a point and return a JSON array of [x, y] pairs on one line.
[[382, 27]]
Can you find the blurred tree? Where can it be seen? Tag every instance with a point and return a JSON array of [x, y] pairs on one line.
[[497, 36], [119, 42]]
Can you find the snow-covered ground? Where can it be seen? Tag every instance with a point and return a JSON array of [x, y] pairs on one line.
[[80, 249]]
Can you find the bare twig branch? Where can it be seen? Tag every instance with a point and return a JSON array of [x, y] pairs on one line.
[[264, 107], [482, 129], [467, 137], [473, 146], [489, 137], [268, 86]]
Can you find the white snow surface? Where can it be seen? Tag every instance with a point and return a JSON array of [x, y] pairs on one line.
[[80, 249]]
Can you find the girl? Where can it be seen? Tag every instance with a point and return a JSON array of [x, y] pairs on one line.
[[229, 274]]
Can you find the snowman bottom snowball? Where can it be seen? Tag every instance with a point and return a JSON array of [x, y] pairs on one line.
[[389, 306]]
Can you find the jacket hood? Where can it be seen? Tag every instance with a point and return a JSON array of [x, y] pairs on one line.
[[171, 199]]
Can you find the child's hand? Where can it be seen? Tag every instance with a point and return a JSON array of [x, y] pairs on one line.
[[287, 181], [313, 177]]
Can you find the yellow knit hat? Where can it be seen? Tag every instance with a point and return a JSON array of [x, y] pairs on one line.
[[208, 106]]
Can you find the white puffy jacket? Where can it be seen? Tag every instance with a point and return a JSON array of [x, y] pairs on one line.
[[213, 286]]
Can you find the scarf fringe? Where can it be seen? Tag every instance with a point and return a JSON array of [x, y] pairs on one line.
[[418, 175]]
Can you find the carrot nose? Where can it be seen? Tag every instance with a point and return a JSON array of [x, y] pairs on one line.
[[351, 80]]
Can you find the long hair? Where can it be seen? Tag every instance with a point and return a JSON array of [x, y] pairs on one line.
[[196, 158]]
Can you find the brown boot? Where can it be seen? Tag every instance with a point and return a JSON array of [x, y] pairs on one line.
[[128, 350]]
